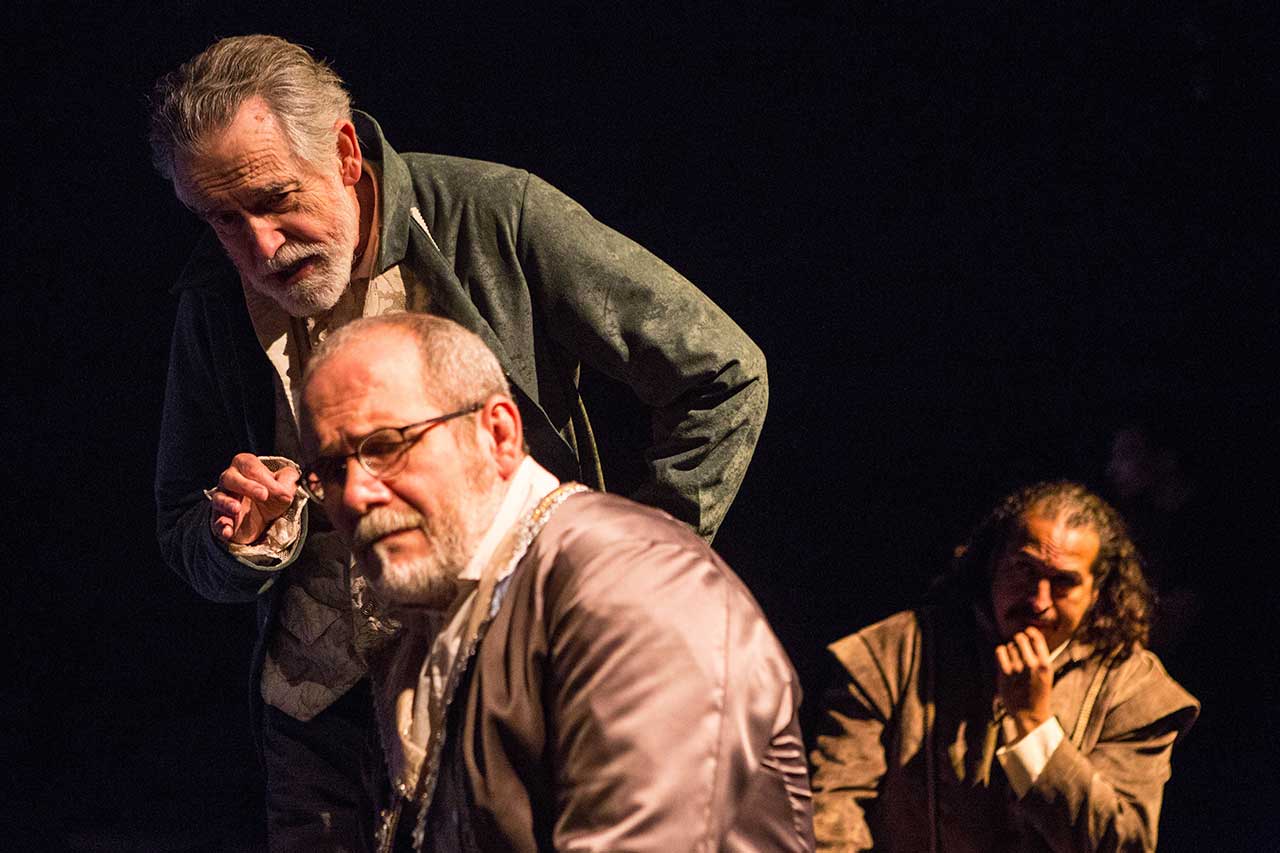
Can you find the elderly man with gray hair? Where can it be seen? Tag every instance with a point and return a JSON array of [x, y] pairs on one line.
[[316, 221]]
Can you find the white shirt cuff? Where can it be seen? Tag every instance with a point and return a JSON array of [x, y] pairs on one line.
[[1024, 761]]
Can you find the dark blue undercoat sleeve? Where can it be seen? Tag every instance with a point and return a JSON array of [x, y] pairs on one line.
[[201, 429]]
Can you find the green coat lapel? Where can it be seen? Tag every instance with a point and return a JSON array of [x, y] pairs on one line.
[[434, 287]]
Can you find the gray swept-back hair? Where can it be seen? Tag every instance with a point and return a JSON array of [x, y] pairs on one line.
[[202, 97], [458, 369]]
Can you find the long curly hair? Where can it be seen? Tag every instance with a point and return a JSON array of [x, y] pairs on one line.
[[1120, 618]]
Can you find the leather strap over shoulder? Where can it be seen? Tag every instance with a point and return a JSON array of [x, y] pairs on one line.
[[1090, 700]]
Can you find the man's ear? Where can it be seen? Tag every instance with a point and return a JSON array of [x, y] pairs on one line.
[[499, 419], [350, 161]]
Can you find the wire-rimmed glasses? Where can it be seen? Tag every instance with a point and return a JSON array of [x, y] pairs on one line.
[[382, 453]]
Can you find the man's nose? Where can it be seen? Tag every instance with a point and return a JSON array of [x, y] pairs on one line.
[[1042, 598], [264, 236], [362, 491]]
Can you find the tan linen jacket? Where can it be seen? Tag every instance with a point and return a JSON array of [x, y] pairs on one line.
[[627, 694], [872, 760]]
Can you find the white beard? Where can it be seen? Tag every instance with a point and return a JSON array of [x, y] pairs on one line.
[[452, 534], [321, 289]]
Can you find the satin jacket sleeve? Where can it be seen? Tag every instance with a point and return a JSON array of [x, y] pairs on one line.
[[635, 698], [666, 696]]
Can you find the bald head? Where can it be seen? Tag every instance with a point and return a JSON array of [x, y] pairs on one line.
[[456, 366]]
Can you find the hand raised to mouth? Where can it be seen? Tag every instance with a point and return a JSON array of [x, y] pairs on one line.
[[1024, 678]]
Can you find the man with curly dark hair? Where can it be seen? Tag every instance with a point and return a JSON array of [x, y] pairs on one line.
[[1018, 709]]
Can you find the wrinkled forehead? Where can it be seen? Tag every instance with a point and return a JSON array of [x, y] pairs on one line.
[[251, 149], [365, 381], [1052, 532], [229, 170]]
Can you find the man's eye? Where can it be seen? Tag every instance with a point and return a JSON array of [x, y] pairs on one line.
[[223, 221], [277, 203], [380, 448]]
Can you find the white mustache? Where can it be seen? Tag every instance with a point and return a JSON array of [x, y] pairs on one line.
[[290, 254], [383, 521]]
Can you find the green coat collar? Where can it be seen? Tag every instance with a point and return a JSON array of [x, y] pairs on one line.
[[395, 191]]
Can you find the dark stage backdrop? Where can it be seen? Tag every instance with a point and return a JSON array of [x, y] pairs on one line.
[[969, 240]]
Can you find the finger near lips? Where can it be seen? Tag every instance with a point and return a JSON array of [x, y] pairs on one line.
[[1030, 654], [1038, 642], [1016, 662]]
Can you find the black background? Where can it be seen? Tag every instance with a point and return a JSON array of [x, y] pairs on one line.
[[968, 240]]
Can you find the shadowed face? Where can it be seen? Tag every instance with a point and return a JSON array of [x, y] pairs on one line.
[[1044, 578], [290, 227], [411, 533]]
